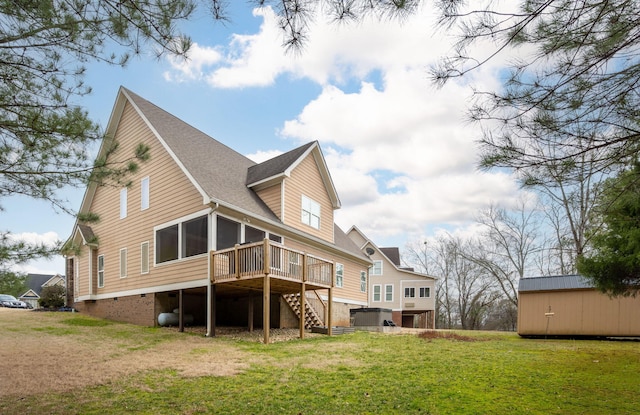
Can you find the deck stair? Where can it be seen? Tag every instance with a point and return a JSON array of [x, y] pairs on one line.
[[311, 317]]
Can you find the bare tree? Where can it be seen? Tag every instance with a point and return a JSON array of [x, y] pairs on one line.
[[430, 257], [508, 245], [464, 293]]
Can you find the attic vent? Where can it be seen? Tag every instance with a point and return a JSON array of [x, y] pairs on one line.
[[369, 250]]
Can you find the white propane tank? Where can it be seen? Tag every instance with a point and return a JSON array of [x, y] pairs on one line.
[[173, 319]]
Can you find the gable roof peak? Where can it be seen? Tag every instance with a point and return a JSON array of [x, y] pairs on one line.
[[216, 171], [277, 168]]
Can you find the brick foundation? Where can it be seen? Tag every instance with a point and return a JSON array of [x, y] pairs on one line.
[[135, 309]]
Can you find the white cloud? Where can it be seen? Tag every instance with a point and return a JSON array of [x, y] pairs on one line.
[[49, 239], [400, 151], [195, 66], [52, 267], [260, 156], [253, 60]]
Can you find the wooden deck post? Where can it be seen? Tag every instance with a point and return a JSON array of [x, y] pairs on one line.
[[266, 311], [250, 312], [267, 257], [180, 311], [329, 312], [236, 259], [212, 312], [303, 313]]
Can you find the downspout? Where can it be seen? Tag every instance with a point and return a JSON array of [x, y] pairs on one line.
[[210, 291]]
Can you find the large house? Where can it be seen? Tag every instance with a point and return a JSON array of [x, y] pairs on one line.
[[205, 232], [410, 295]]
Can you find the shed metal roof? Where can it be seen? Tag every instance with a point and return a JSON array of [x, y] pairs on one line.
[[555, 282]]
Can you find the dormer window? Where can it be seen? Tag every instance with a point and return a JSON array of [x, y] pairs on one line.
[[310, 212]]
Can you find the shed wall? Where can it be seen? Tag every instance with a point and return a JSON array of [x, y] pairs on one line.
[[577, 313]]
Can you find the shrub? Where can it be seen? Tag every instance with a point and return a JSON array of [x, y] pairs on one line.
[[52, 297]]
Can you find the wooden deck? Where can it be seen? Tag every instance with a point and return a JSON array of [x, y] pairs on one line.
[[270, 268], [245, 266]]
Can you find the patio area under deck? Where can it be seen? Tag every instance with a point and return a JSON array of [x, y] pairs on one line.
[[269, 267]]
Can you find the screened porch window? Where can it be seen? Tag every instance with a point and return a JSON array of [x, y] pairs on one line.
[[228, 233], [167, 244], [182, 240], [195, 237]]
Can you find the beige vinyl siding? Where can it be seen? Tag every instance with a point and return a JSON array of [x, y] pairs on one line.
[[272, 197], [400, 280], [81, 264], [171, 196], [351, 280], [357, 238], [306, 180]]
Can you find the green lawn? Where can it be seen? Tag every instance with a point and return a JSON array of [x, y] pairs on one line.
[[364, 373]]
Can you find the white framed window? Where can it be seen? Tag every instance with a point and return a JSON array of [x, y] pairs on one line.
[[363, 281], [388, 292], [310, 212], [409, 292], [100, 271], [339, 275], [144, 193], [377, 293], [195, 236], [123, 203], [376, 268], [275, 238], [123, 262], [144, 258], [182, 239], [425, 292]]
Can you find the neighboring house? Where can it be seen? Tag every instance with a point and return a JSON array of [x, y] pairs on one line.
[[410, 295], [570, 305], [36, 282], [205, 230]]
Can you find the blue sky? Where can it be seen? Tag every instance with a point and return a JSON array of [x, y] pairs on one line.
[[400, 151]]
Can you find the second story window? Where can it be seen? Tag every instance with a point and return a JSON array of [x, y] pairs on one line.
[[376, 269], [144, 194], [310, 212], [409, 292], [363, 281]]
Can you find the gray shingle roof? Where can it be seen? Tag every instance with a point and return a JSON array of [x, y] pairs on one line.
[[393, 253], [343, 241], [277, 165], [35, 281], [219, 171], [87, 233], [552, 283]]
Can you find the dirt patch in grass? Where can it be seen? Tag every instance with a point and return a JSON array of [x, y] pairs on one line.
[[39, 353], [448, 335]]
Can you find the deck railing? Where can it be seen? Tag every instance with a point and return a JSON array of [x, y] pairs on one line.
[[266, 257]]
